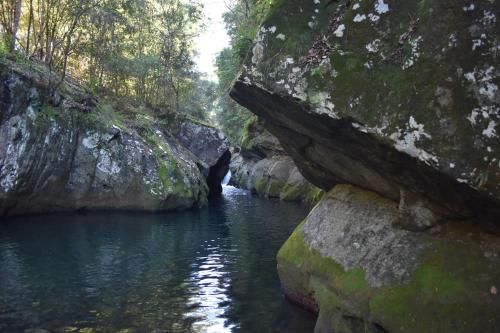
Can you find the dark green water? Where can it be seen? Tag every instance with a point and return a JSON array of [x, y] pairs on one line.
[[211, 270]]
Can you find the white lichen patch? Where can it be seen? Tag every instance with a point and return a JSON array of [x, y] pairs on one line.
[[490, 131], [323, 104], [476, 43], [340, 31], [415, 54], [489, 90], [31, 113], [381, 7], [247, 81], [373, 46], [106, 164], [359, 18], [405, 141], [257, 53], [300, 89], [91, 140], [489, 18], [280, 36], [482, 81], [373, 17], [452, 41], [469, 8]]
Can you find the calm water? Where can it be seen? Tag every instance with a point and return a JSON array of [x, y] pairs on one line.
[[211, 270]]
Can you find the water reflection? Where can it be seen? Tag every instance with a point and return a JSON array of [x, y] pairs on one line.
[[210, 301], [211, 270]]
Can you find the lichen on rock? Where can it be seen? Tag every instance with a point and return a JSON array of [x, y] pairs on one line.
[[79, 153]]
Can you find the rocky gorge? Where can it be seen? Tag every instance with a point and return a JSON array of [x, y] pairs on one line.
[[391, 108], [380, 115], [65, 150]]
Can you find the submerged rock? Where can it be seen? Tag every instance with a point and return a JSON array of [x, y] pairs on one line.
[[76, 154]]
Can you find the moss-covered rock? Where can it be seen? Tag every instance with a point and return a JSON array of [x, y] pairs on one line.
[[275, 177], [347, 261], [65, 150], [384, 94]]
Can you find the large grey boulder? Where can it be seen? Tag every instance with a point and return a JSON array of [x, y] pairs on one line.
[[350, 262], [212, 149], [386, 95]]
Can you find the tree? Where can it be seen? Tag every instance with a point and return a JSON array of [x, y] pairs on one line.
[[242, 23], [10, 14], [135, 48]]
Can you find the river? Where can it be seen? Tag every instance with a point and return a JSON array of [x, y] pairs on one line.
[[206, 270]]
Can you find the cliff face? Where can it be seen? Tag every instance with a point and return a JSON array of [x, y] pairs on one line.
[[69, 152], [399, 98]]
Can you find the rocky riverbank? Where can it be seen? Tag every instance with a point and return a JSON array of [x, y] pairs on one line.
[[65, 150]]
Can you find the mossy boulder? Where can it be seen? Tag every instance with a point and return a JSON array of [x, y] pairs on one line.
[[387, 95], [274, 177], [350, 263], [65, 150]]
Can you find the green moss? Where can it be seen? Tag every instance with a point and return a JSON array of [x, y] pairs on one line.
[[313, 196], [163, 173], [49, 111], [292, 192], [331, 286], [274, 188], [260, 185], [246, 136], [293, 250]]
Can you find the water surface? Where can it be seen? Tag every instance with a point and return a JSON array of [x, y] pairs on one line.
[[208, 270]]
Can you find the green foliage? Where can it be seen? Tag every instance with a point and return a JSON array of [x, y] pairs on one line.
[[246, 135], [313, 196], [139, 49], [4, 50], [242, 23]]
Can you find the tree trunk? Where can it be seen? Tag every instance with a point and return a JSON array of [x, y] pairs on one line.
[[30, 19], [15, 25]]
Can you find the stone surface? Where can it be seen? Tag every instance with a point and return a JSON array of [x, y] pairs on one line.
[[70, 156], [207, 143], [212, 149], [382, 99], [347, 261], [262, 167]]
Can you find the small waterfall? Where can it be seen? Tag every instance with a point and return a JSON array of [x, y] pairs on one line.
[[226, 179]]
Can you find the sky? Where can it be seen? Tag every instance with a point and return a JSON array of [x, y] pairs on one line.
[[213, 39]]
